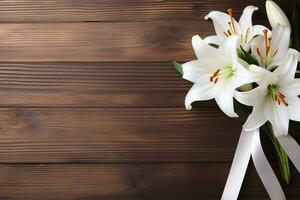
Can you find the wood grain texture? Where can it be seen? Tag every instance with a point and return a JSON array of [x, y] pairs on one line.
[[115, 10], [99, 42], [38, 135], [91, 109], [91, 84], [103, 10], [126, 181]]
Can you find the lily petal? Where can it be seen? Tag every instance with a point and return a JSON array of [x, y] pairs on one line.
[[292, 87], [274, 64], [246, 18], [196, 69], [258, 30], [258, 49], [280, 41], [252, 97], [256, 119], [294, 105], [225, 100], [220, 21], [287, 70], [227, 52], [263, 75], [202, 49], [214, 39], [243, 76], [278, 116], [201, 90]]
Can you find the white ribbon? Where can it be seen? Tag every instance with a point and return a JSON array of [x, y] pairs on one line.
[[239, 166], [265, 171], [249, 144]]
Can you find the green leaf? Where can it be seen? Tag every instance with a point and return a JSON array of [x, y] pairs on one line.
[[177, 66], [243, 54], [282, 158]]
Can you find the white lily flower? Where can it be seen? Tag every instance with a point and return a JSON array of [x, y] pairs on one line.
[[270, 51], [216, 74], [276, 15], [225, 26], [276, 98]]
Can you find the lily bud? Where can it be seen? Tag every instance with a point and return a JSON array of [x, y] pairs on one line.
[[276, 14]]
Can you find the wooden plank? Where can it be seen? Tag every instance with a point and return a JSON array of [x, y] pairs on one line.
[[102, 42], [116, 135], [101, 10], [127, 181], [91, 84], [116, 10]]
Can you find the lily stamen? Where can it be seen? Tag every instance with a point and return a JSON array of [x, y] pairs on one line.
[[215, 75], [247, 33], [258, 52], [267, 41], [216, 80], [221, 73], [230, 28], [274, 53], [231, 19], [281, 98], [277, 96], [280, 94]]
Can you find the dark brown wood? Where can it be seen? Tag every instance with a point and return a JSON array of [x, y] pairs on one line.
[[91, 84], [126, 181], [102, 42], [91, 108], [116, 10], [116, 135], [102, 10]]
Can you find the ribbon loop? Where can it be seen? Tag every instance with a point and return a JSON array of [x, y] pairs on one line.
[[265, 171], [249, 145]]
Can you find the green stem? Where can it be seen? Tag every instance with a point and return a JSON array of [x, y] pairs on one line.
[[282, 158]]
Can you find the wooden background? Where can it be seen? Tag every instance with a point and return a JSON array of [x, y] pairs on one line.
[[90, 107]]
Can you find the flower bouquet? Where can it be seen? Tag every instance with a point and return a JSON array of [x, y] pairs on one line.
[[251, 72]]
